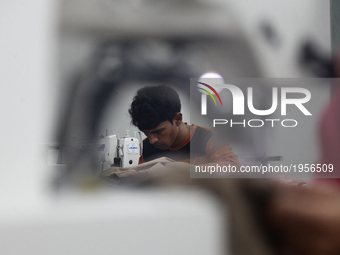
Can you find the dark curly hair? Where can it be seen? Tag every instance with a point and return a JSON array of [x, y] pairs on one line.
[[153, 105]]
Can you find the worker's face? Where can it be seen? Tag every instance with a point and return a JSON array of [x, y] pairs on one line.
[[164, 135]]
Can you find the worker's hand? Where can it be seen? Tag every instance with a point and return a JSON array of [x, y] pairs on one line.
[[307, 219], [124, 175], [145, 171]]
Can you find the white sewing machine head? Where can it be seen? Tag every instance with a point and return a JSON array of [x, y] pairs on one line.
[[121, 152]]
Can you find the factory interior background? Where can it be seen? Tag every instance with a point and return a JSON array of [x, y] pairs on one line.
[[50, 47]]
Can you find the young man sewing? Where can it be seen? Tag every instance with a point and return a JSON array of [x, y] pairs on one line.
[[155, 110]]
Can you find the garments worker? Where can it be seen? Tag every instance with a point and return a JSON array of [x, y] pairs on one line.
[[156, 111]]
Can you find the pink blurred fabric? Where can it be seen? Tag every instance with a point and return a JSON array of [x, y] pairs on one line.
[[330, 134]]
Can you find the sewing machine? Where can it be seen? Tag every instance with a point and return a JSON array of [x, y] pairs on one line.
[[121, 152]]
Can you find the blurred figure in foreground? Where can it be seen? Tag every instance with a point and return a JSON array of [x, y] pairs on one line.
[[307, 219]]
